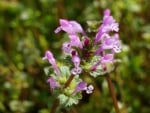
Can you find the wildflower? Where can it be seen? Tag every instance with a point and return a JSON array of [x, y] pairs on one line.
[[51, 59], [107, 58], [53, 83], [75, 41], [66, 47], [77, 69], [81, 86], [112, 43], [76, 60], [71, 27]]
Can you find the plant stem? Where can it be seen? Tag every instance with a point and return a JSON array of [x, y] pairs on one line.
[[55, 105], [69, 80], [74, 110], [111, 89], [56, 102]]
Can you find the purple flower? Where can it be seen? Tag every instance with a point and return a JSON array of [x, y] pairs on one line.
[[76, 70], [81, 86], [110, 43], [76, 60], [117, 44], [71, 27], [75, 41], [66, 47], [107, 58], [53, 83], [106, 12], [51, 59], [109, 24]]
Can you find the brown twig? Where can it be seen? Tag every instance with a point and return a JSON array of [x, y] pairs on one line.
[[55, 105], [69, 80], [111, 89]]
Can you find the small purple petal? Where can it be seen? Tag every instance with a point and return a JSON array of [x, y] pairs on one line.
[[107, 58], [76, 60], [75, 41], [53, 83], [117, 47], [50, 58], [81, 86], [77, 27], [57, 30], [71, 27], [108, 43], [107, 12], [66, 47], [76, 70], [101, 36]]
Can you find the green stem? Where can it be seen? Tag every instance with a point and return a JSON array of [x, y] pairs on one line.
[[111, 89], [56, 103]]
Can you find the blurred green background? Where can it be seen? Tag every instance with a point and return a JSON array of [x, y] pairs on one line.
[[27, 30]]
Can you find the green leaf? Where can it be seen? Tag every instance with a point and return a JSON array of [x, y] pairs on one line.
[[68, 101]]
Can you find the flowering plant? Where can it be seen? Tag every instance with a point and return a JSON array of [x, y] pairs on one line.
[[93, 55]]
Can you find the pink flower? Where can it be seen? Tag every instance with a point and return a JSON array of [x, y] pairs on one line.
[[51, 59], [71, 27]]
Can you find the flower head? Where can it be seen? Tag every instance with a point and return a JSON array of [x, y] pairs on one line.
[[71, 27]]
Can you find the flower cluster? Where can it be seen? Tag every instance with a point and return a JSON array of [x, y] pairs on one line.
[[93, 55]]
